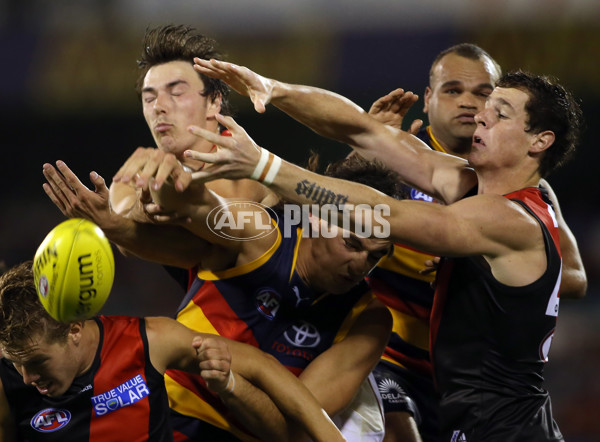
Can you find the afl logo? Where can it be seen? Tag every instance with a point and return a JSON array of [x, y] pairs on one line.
[[267, 302], [420, 196], [43, 286], [50, 419], [229, 220], [303, 334]]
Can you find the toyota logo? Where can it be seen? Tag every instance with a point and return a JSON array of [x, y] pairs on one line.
[[303, 334]]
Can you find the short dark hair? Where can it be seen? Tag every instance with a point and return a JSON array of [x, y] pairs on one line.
[[181, 43], [550, 107], [466, 50], [371, 173], [22, 316]]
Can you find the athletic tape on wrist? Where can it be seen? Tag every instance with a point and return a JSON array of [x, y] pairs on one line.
[[267, 168], [262, 162], [272, 173], [230, 380]]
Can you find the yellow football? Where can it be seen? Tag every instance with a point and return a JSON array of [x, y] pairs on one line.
[[74, 269]]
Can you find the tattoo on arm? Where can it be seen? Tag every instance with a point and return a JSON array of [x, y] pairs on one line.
[[320, 195]]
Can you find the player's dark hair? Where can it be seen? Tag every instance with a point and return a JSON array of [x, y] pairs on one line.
[[465, 50], [371, 173], [181, 43], [22, 316], [550, 107]]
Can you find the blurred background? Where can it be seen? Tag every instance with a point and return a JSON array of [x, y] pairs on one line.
[[67, 92]]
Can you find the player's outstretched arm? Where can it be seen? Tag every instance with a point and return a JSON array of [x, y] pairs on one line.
[[253, 385], [170, 245], [331, 115]]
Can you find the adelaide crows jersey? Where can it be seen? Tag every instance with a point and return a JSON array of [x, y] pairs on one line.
[[396, 281], [263, 303]]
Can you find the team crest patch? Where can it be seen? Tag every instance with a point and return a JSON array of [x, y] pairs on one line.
[[128, 393], [268, 302], [50, 419]]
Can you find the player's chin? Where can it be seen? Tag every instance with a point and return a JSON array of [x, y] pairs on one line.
[[342, 286]]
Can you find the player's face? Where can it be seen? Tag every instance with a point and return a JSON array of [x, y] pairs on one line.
[[500, 139], [458, 90], [343, 261], [49, 367], [172, 100]]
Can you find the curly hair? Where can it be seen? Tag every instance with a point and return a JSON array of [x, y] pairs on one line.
[[181, 43], [550, 107], [22, 316]]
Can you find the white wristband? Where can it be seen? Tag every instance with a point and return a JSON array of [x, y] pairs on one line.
[[275, 165], [262, 162], [267, 167]]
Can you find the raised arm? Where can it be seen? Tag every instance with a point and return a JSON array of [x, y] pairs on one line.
[[252, 384], [473, 226], [164, 244], [574, 280], [445, 177]]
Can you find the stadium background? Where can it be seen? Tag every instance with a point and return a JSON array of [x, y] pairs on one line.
[[66, 92]]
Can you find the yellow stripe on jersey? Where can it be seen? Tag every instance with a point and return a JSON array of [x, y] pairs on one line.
[[187, 403], [435, 144], [194, 318], [296, 247], [412, 330], [207, 275], [407, 262], [385, 357], [358, 308]]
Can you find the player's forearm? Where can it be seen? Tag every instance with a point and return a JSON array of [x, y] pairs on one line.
[[290, 396], [255, 410], [327, 113], [167, 245], [334, 116]]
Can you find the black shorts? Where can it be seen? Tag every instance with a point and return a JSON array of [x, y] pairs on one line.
[[404, 391]]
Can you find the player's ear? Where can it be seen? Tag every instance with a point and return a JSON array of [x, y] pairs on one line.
[[542, 141], [214, 107], [426, 98], [76, 332]]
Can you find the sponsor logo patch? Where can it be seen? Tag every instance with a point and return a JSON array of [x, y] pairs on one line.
[[391, 391], [128, 393], [50, 419], [303, 334]]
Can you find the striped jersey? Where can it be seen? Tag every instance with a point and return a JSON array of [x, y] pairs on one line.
[[266, 304], [120, 398]]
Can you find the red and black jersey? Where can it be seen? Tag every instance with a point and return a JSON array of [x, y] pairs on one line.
[[491, 341], [121, 398]]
